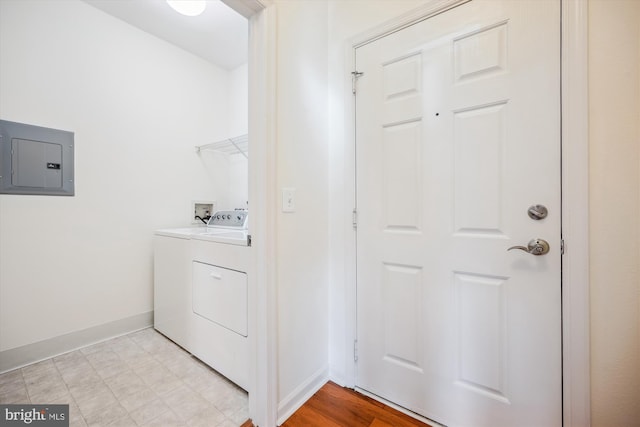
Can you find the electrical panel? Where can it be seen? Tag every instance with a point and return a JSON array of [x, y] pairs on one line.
[[36, 160]]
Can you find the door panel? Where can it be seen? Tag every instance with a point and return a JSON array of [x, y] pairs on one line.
[[480, 305], [457, 134], [478, 139], [402, 306], [401, 172]]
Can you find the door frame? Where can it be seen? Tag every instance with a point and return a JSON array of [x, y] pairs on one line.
[[263, 381], [575, 198]]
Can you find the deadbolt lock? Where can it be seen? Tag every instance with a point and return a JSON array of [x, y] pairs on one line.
[[537, 212]]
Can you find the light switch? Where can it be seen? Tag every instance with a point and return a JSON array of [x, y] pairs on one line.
[[288, 200]]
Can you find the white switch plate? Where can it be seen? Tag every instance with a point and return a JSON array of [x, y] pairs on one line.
[[288, 200]]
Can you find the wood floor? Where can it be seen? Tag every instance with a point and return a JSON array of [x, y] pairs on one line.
[[335, 406]]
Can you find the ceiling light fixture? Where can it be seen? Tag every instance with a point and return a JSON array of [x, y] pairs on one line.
[[188, 7]]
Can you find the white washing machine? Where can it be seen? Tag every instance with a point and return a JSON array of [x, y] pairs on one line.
[[201, 291]]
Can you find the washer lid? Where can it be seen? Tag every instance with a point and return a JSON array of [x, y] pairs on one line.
[[182, 233], [233, 237]]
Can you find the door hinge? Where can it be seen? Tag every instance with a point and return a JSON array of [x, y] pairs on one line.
[[562, 247], [248, 239], [355, 350], [354, 218], [354, 76]]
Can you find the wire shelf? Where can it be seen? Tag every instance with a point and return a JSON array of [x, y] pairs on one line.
[[237, 145]]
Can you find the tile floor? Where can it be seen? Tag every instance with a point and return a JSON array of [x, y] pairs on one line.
[[140, 379]]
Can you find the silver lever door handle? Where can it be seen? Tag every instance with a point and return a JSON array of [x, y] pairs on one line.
[[534, 247]]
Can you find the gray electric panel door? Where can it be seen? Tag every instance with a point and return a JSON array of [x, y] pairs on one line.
[[35, 160], [36, 164]]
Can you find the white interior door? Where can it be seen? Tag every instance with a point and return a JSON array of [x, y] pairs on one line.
[[457, 135]]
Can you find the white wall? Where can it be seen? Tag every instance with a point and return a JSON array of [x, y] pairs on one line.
[[238, 125], [238, 100], [614, 133], [231, 172], [310, 157], [302, 162], [137, 106]]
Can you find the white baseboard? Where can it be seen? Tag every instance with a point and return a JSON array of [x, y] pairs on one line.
[[301, 394], [21, 356]]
